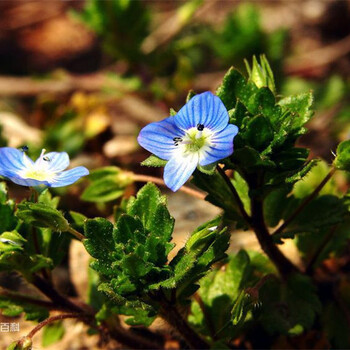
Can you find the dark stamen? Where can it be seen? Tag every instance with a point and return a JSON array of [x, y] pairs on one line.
[[200, 127], [24, 148], [177, 140], [47, 159]]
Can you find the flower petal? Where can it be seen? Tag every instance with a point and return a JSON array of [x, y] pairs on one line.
[[206, 109], [68, 177], [157, 137], [178, 170], [12, 159], [58, 161], [222, 146], [17, 179]]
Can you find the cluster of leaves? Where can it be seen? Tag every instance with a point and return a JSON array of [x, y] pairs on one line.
[[29, 245], [131, 256]]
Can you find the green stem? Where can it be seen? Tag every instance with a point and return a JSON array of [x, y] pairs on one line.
[[305, 202]]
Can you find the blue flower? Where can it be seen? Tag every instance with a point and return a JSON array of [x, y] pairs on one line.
[[47, 170], [199, 134]]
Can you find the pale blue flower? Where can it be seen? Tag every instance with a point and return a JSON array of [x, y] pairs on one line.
[[47, 170], [199, 134]]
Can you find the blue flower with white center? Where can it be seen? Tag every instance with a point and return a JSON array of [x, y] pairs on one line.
[[199, 134], [47, 170]]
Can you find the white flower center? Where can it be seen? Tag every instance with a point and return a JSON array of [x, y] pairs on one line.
[[39, 170], [196, 140]]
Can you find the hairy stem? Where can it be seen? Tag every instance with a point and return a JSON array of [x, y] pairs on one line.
[[170, 313], [306, 201], [158, 181], [235, 194]]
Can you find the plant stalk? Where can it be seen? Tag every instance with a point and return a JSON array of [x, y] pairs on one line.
[[170, 313], [284, 265]]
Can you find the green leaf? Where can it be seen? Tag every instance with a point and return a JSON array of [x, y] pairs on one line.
[[3, 192], [99, 238], [52, 333], [42, 215], [299, 107], [219, 292], [45, 197], [150, 207], [261, 74], [217, 191], [11, 241], [207, 169], [342, 161], [13, 306], [259, 132], [154, 161], [107, 184], [290, 304]]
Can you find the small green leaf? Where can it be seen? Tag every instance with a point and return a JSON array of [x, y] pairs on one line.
[[261, 74], [154, 161], [11, 307], [11, 241], [42, 215], [259, 132], [342, 161], [207, 169]]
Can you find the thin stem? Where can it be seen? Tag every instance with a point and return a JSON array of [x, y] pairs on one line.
[[305, 202], [121, 335], [52, 319], [235, 194], [28, 299], [76, 233], [47, 289], [158, 181], [206, 315], [319, 250], [170, 314]]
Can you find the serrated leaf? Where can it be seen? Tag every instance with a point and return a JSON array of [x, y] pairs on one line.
[[99, 238]]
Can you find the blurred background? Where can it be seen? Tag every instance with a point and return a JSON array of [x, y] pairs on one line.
[[85, 76]]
